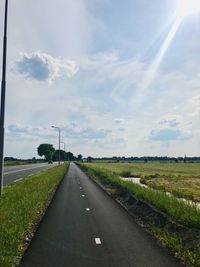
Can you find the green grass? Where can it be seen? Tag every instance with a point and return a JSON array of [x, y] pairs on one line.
[[182, 179], [152, 168], [174, 242], [20, 207], [169, 205]]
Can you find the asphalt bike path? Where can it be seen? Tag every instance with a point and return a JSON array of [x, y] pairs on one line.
[[85, 227]]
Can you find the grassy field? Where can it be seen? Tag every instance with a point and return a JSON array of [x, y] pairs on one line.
[[169, 205], [181, 179], [21, 206]]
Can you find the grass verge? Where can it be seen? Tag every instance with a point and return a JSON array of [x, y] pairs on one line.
[[21, 207], [182, 240]]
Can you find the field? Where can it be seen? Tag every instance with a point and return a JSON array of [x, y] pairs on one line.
[[180, 179]]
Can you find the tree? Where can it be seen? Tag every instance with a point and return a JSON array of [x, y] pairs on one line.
[[89, 159], [63, 155], [70, 156], [46, 150], [79, 157]]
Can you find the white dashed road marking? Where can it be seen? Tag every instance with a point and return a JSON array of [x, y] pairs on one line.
[[83, 195], [98, 241], [17, 180], [80, 187], [21, 170], [87, 209]]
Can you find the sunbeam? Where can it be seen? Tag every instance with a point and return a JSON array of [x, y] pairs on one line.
[[184, 8], [156, 63], [187, 7]]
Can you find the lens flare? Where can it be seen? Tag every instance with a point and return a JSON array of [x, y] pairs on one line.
[[184, 8], [158, 59], [187, 8]]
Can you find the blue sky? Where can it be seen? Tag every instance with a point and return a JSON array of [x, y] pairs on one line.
[[93, 68]]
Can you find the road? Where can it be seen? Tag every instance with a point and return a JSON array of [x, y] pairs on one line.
[[14, 173], [84, 227]]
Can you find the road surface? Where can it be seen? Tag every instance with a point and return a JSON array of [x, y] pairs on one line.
[[14, 173], [84, 227]]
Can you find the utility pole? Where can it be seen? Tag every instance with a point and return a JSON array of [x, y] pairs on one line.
[[3, 96]]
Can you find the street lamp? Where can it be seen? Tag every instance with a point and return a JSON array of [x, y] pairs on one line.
[[55, 127], [3, 93]]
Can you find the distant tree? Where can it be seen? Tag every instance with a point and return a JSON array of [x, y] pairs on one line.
[[9, 159], [70, 156], [89, 159], [79, 157], [46, 150], [146, 160], [63, 155]]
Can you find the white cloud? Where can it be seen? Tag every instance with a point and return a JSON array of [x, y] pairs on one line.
[[119, 121], [43, 67], [165, 135], [121, 129], [72, 131], [21, 132], [111, 144], [170, 122], [85, 133]]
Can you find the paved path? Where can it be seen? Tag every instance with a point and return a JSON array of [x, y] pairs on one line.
[[84, 227]]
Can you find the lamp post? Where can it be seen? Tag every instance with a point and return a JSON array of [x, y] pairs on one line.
[[55, 127], [3, 93]]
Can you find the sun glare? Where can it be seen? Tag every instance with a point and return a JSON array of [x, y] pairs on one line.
[[184, 8], [187, 8]]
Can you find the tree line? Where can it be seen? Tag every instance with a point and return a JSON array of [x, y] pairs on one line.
[[148, 159], [50, 153]]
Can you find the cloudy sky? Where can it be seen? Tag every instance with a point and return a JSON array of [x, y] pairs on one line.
[[119, 77]]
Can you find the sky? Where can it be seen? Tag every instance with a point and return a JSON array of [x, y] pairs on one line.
[[120, 78]]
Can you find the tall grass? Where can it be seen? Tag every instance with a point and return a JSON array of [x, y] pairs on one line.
[[140, 169], [20, 207], [182, 180], [185, 214]]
